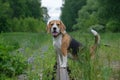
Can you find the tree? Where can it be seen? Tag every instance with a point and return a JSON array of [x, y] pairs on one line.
[[5, 15], [26, 8], [45, 14], [87, 16], [70, 12], [109, 14], [102, 13], [34, 8], [12, 11]]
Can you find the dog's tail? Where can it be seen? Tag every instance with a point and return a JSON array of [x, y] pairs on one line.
[[97, 37], [96, 43]]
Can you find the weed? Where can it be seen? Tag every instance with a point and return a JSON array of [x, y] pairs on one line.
[[37, 50]]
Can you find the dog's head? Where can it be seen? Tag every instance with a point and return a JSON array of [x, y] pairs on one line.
[[56, 27]]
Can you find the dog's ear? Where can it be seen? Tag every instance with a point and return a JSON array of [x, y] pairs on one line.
[[62, 28], [48, 27]]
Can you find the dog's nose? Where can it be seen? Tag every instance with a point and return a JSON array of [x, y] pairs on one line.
[[54, 28]]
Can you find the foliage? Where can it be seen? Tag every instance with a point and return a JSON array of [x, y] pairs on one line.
[[87, 15], [109, 14], [101, 66], [11, 64], [38, 49], [32, 48], [113, 26], [27, 25], [70, 12], [26, 8], [98, 27], [23, 12], [94, 12], [5, 14], [45, 14]]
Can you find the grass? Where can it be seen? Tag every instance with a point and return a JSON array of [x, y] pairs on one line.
[[35, 48], [107, 62], [38, 50]]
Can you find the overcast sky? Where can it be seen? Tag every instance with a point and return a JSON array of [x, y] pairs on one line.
[[53, 7]]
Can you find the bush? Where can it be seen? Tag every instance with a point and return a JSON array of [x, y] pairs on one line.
[[98, 27], [113, 26], [11, 64], [27, 25]]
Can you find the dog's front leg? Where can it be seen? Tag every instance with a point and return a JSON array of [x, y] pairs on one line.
[[64, 57], [59, 57], [64, 50], [64, 61]]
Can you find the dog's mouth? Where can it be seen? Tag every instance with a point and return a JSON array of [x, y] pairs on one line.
[[55, 34]]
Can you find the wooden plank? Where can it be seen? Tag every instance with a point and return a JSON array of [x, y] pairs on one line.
[[61, 73], [58, 72]]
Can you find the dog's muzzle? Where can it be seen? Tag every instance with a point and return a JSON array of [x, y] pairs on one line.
[[55, 33]]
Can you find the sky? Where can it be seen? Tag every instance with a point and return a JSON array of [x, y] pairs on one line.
[[53, 7]]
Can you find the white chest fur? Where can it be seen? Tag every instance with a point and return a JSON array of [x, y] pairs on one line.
[[57, 42]]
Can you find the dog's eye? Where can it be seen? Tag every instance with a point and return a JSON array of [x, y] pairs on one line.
[[51, 24], [58, 24]]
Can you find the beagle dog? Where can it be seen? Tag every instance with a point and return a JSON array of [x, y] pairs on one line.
[[64, 43]]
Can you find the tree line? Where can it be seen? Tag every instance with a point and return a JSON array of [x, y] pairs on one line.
[[21, 16], [103, 15]]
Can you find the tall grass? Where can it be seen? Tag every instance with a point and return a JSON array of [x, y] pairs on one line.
[[105, 65], [38, 50]]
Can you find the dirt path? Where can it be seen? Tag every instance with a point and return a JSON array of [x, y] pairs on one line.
[[31, 60]]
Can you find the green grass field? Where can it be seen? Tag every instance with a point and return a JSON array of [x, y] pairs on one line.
[[39, 54]]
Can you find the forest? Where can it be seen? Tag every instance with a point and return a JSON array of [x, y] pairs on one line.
[[84, 14], [21, 16]]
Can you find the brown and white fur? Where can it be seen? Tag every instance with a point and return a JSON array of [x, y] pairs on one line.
[[64, 43]]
